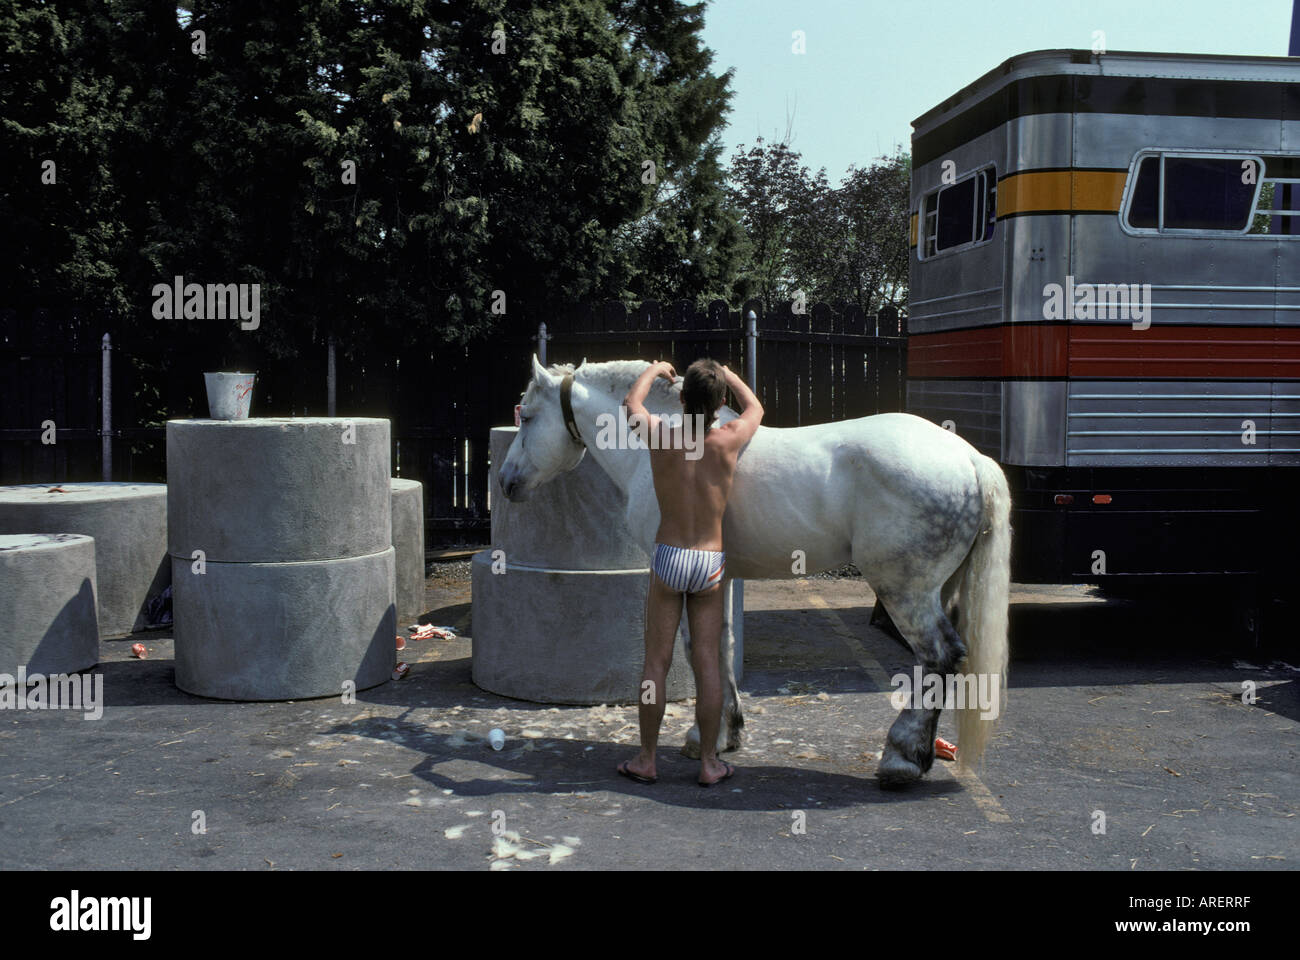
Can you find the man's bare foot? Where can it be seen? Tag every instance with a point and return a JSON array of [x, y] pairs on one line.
[[638, 770], [714, 771]]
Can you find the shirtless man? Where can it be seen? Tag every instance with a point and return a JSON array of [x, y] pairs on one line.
[[688, 559]]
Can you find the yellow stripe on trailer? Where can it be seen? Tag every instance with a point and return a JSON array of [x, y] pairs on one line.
[[1043, 191]]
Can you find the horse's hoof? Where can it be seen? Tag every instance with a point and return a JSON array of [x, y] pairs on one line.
[[726, 741], [895, 772], [691, 748]]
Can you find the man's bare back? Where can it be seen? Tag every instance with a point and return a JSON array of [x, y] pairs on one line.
[[693, 490], [692, 493]]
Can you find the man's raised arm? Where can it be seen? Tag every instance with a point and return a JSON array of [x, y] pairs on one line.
[[748, 421], [638, 418]]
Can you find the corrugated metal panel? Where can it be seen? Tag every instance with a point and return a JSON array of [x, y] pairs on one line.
[[973, 406], [1285, 426], [1175, 423]]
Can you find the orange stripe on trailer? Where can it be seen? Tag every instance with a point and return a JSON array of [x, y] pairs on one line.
[[1183, 352], [1107, 351], [1094, 191], [1008, 350]]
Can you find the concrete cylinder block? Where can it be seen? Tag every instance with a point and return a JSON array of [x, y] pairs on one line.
[[48, 620], [575, 522], [564, 636], [129, 524], [273, 489], [284, 631], [408, 541]]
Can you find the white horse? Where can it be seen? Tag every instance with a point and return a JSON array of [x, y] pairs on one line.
[[918, 510]]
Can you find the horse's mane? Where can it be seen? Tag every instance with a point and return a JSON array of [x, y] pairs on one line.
[[615, 376]]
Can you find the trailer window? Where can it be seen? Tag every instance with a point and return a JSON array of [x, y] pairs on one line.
[[960, 214], [1144, 210], [957, 214], [1205, 194]]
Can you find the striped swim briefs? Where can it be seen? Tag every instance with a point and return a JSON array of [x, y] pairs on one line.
[[688, 571]]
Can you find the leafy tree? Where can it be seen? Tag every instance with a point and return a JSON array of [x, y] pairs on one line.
[[845, 244], [769, 188], [61, 196], [876, 204]]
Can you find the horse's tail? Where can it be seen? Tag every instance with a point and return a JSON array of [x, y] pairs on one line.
[[982, 614]]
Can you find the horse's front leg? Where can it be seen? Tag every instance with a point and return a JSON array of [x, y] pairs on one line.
[[909, 748], [732, 718]]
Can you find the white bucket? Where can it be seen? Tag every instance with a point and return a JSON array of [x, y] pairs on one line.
[[229, 395]]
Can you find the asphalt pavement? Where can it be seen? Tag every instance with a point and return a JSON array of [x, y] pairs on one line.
[[1125, 745]]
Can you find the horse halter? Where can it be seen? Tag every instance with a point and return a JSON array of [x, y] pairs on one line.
[[566, 407]]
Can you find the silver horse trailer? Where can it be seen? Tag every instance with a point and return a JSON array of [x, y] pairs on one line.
[[1105, 297]]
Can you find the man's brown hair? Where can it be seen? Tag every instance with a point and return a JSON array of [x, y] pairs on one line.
[[704, 389]]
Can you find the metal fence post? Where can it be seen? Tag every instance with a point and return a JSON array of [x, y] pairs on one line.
[[751, 351], [330, 380], [106, 421]]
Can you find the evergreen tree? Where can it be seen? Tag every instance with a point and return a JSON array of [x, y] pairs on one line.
[[379, 168]]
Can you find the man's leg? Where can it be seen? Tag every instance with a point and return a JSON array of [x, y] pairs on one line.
[[663, 612], [704, 612]]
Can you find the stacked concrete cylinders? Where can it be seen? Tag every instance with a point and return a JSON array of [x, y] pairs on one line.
[[128, 522], [408, 541], [47, 604], [559, 598], [280, 536]]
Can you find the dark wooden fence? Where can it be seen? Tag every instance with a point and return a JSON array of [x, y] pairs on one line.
[[819, 365]]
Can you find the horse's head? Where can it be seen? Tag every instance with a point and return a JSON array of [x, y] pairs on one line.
[[543, 448]]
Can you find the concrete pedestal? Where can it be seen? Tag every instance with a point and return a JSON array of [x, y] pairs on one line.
[[562, 618], [293, 593], [279, 489], [564, 636], [284, 631], [408, 541], [129, 524], [47, 603]]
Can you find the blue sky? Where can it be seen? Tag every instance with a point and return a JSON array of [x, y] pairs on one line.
[[871, 67]]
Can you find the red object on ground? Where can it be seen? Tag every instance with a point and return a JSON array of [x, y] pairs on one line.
[[401, 642], [139, 650], [944, 750], [401, 670]]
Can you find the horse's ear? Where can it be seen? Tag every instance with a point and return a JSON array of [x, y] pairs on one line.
[[540, 373]]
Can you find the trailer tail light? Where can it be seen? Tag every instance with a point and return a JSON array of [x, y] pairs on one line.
[[1064, 499], [1101, 498]]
